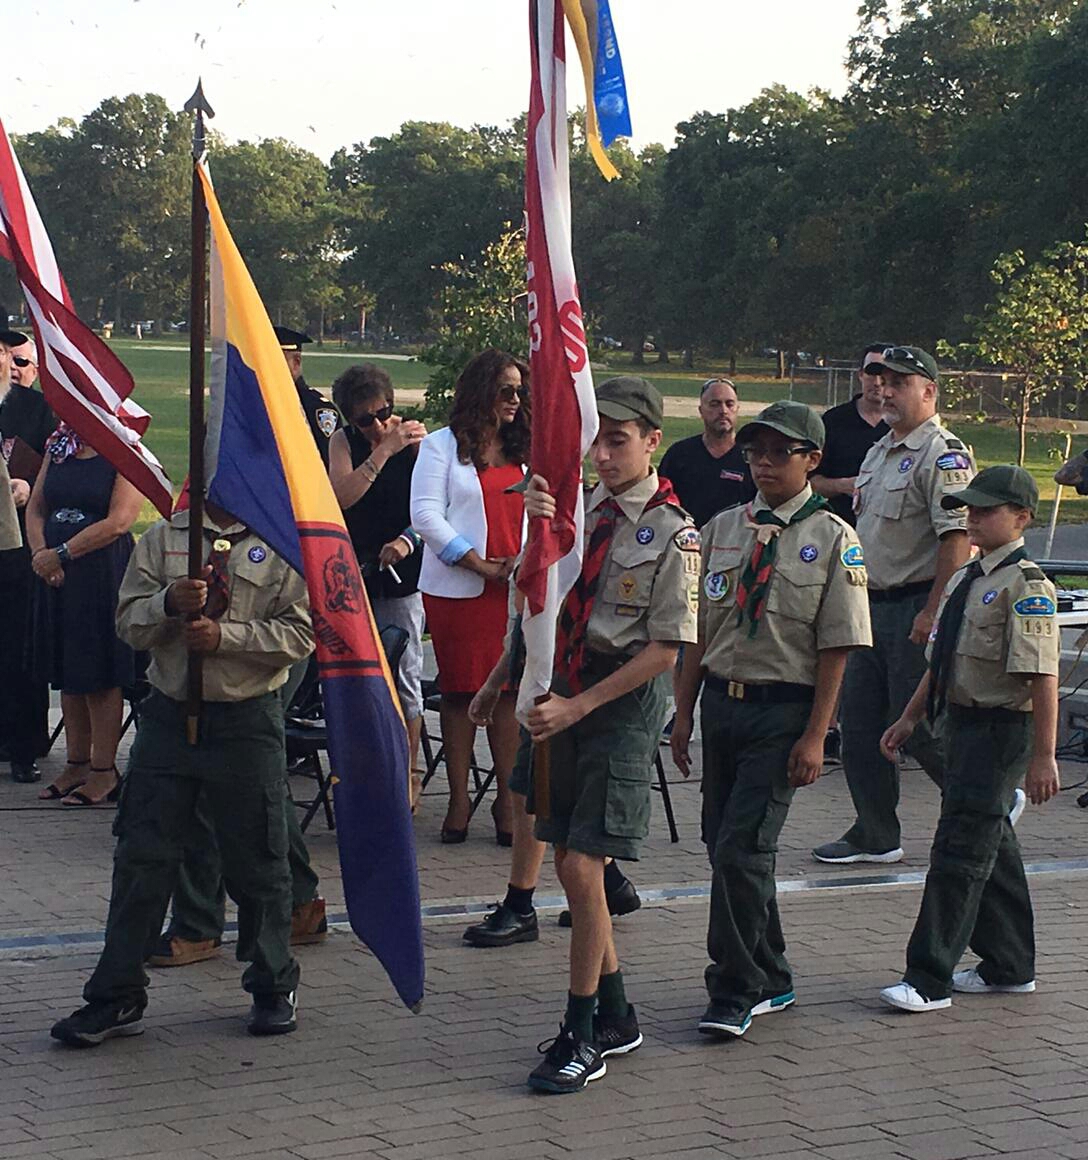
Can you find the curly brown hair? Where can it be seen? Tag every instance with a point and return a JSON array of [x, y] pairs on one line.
[[472, 416]]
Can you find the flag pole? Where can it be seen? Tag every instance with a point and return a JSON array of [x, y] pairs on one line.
[[197, 104]]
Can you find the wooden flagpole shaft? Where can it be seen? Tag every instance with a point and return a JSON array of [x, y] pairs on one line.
[[542, 773]]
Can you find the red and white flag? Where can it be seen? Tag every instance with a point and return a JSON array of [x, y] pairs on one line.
[[564, 406], [84, 382]]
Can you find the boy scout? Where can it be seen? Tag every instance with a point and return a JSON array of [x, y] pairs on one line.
[[912, 546], [783, 603], [993, 665], [632, 606], [253, 623]]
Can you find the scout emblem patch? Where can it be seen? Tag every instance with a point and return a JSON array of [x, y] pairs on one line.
[[257, 553], [809, 553], [716, 585], [627, 585], [326, 421], [990, 596], [644, 535], [905, 464], [688, 540]]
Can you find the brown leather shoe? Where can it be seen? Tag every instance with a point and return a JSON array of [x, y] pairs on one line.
[[308, 924], [180, 952]]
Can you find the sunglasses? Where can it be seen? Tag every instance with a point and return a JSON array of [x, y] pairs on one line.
[[714, 382], [900, 354], [508, 393], [19, 361], [776, 456], [367, 419]]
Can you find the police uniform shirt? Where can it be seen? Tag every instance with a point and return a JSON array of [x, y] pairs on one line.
[[816, 599], [649, 580], [898, 502], [265, 629], [321, 415], [706, 484], [1010, 633]]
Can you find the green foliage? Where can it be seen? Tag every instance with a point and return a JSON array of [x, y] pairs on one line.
[[483, 305]]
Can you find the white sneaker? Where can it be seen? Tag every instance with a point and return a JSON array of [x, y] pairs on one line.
[[972, 983], [906, 998], [1018, 804]]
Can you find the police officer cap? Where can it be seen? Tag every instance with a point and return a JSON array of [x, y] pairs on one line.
[[789, 418], [993, 486], [13, 337], [907, 360], [291, 339], [629, 397]]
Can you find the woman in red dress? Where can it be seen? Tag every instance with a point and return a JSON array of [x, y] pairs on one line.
[[472, 531]]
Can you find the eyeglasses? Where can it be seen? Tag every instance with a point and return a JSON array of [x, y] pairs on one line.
[[19, 361], [509, 393], [777, 456], [367, 419]]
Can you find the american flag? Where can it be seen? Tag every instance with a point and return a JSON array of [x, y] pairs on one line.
[[84, 382]]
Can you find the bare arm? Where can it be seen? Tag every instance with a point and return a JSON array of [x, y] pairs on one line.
[[952, 553], [806, 760], [1042, 781], [826, 486], [686, 687], [895, 736]]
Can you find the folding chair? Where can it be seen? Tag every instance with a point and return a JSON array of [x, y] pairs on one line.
[[432, 759], [662, 788]]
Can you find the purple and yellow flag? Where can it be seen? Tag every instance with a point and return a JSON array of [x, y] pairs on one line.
[[263, 467]]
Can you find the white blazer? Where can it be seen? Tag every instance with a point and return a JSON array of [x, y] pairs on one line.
[[448, 512]]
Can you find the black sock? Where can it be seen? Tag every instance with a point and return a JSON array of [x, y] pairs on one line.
[[614, 878], [579, 1018], [518, 900], [611, 996]]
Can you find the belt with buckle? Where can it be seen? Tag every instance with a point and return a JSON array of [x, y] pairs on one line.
[[902, 592], [777, 693]]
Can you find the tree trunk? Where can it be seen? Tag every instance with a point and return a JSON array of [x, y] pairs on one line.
[[637, 358], [732, 363], [321, 327], [689, 358], [662, 354], [780, 369], [1022, 425]]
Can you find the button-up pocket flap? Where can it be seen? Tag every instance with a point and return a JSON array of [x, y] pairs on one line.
[[631, 576], [797, 588]]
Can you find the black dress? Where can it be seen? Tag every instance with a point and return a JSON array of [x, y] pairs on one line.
[[76, 646]]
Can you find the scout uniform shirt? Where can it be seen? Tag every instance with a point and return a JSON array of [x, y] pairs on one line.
[[898, 502], [649, 581], [1009, 634], [816, 600], [265, 629], [10, 535]]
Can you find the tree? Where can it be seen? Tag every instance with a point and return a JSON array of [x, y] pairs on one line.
[[483, 305], [1036, 328]]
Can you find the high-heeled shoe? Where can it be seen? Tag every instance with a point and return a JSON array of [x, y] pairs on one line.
[[502, 837], [451, 837], [79, 798], [54, 792]]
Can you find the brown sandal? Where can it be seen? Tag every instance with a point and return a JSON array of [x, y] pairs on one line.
[[56, 791], [79, 798]]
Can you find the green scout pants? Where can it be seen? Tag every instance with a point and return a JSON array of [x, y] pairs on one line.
[[237, 765], [600, 774], [976, 893], [879, 682], [746, 796], [198, 908]]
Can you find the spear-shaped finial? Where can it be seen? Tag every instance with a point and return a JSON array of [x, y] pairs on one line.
[[198, 103]]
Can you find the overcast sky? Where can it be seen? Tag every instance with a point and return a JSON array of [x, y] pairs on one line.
[[325, 73]]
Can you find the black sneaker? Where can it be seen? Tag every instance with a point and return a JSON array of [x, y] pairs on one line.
[[502, 927], [273, 1014], [25, 772], [617, 1036], [623, 900], [569, 1064], [725, 1022], [97, 1022], [833, 744]]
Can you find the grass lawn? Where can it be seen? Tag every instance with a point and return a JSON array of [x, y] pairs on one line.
[[162, 384]]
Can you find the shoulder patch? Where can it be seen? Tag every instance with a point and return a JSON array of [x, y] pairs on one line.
[[954, 444], [1035, 605], [326, 421], [953, 461], [688, 540], [853, 556], [1031, 571]]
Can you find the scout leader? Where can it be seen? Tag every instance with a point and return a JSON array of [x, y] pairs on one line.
[[632, 606], [993, 667], [783, 603]]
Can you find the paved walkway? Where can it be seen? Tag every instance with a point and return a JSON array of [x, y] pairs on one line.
[[836, 1077]]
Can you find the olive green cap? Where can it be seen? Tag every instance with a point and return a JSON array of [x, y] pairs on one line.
[[628, 397], [789, 418], [906, 360], [993, 486]]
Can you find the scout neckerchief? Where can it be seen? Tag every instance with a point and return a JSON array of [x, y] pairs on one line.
[[219, 581], [755, 580], [574, 619], [943, 655]]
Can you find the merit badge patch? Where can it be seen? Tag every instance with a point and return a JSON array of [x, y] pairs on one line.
[[1034, 606], [853, 557], [716, 585], [687, 540], [905, 464], [627, 586], [326, 421], [644, 535], [809, 553], [257, 554], [990, 596], [953, 461]]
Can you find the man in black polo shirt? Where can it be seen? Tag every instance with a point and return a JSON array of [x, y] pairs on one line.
[[707, 471], [852, 428]]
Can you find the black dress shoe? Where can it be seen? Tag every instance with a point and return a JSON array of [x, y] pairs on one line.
[[623, 900], [25, 772], [502, 927]]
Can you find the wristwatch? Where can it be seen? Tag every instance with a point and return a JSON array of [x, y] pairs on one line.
[[63, 555]]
